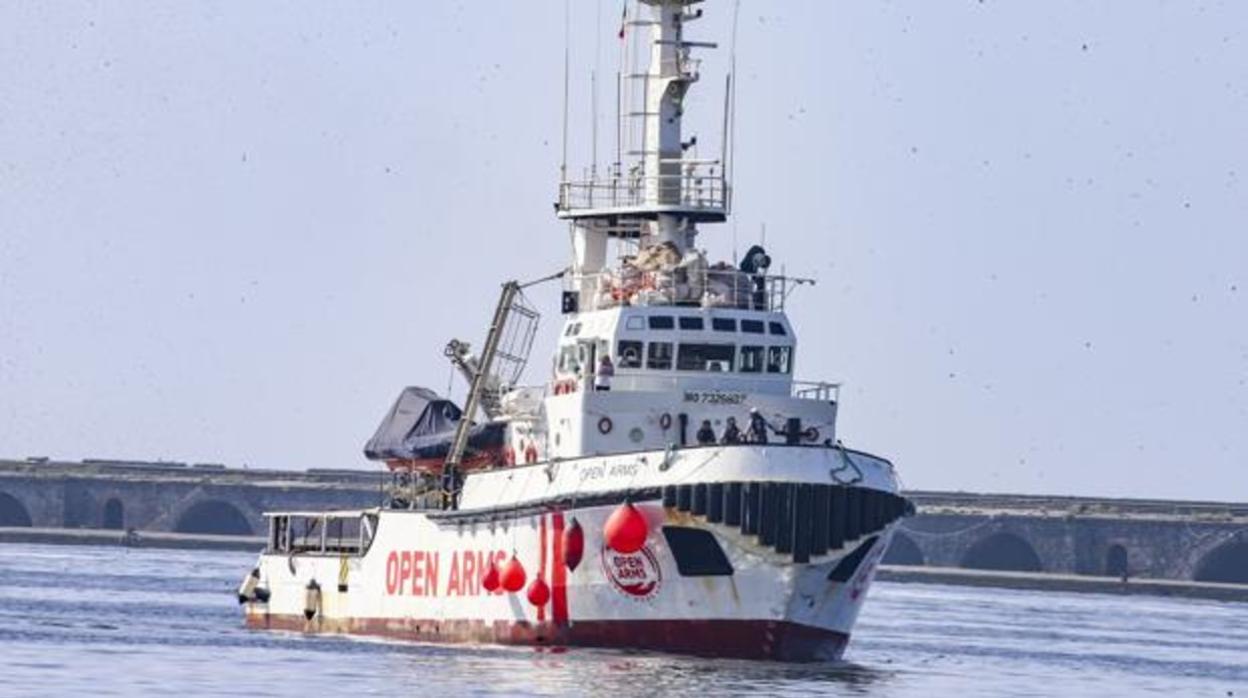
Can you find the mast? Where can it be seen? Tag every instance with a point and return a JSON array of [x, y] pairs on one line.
[[658, 193]]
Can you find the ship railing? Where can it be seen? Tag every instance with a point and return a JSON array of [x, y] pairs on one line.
[[692, 185], [687, 285], [321, 533], [817, 390], [720, 388]]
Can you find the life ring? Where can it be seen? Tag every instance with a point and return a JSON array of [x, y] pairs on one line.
[[604, 425], [630, 356], [665, 421], [811, 434], [530, 453]]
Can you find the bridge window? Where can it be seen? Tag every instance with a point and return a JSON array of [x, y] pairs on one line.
[[779, 359], [751, 359], [662, 322], [690, 323], [752, 326], [724, 324], [777, 328], [628, 354], [12, 512], [213, 516], [705, 357], [660, 356], [114, 515], [635, 322], [1002, 551], [567, 360]]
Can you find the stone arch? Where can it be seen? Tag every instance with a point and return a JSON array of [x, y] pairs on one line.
[[903, 551], [213, 516], [114, 516], [1226, 563], [13, 512], [1117, 562], [1002, 551]]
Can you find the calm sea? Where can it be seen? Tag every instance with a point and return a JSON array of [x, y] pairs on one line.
[[85, 621]]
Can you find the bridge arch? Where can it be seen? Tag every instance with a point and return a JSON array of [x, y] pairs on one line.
[[114, 516], [1226, 563], [1002, 551], [12, 511], [903, 551], [1117, 562], [213, 516]]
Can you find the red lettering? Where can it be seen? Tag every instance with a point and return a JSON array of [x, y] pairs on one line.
[[468, 574], [405, 569], [452, 584], [417, 557], [431, 573], [392, 572], [500, 557], [483, 566]]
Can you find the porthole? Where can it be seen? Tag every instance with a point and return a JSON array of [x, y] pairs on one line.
[[636, 435]]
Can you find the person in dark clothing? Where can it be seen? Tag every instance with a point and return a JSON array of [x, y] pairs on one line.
[[706, 435], [732, 433], [758, 427], [755, 264]]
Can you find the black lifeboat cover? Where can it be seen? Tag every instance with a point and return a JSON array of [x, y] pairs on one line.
[[421, 425]]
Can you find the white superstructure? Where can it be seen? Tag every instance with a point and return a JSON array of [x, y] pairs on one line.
[[672, 486]]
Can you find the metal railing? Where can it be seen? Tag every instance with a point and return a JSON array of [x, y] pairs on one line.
[[697, 186], [817, 390], [690, 286]]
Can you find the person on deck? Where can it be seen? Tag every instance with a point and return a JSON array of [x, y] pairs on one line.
[[706, 434], [758, 427], [606, 371], [732, 433]]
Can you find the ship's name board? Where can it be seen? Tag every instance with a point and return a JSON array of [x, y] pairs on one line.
[[714, 397], [421, 573]]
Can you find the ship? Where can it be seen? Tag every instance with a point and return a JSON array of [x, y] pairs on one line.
[[671, 486]]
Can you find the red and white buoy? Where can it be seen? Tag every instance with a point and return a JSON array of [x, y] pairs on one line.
[[626, 529], [513, 576], [539, 592], [490, 582], [573, 545]]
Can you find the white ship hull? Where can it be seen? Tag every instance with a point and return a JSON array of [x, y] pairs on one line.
[[801, 549]]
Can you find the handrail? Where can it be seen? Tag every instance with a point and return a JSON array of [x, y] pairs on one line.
[[817, 390], [773, 384], [700, 185]]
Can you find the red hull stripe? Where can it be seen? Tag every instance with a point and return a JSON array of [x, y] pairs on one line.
[[541, 565], [558, 573], [744, 639]]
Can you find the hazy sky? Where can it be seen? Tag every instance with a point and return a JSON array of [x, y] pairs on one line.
[[232, 231]]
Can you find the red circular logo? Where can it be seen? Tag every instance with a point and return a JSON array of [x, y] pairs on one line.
[[634, 574]]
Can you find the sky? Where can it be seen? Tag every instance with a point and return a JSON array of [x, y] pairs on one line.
[[232, 232]]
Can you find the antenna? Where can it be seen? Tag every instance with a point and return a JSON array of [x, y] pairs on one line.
[[730, 163], [567, 61], [593, 87]]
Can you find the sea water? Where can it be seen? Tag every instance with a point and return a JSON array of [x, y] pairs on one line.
[[101, 621]]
